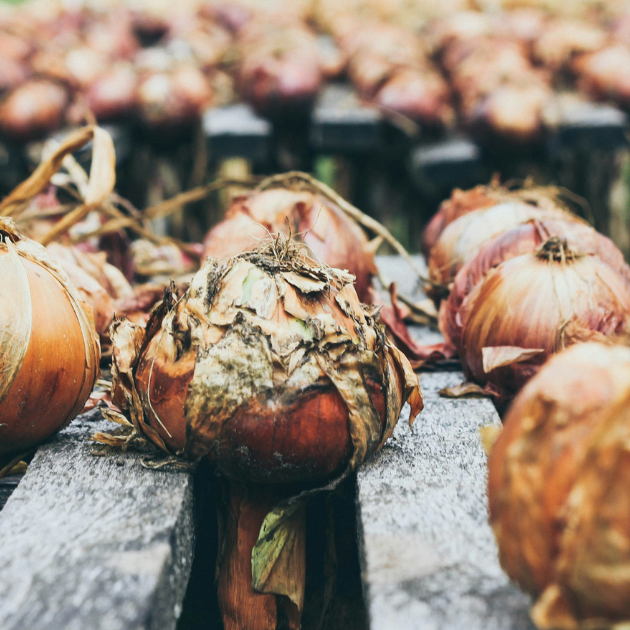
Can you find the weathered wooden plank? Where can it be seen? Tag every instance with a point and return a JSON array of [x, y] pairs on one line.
[[8, 485], [429, 560], [94, 542], [237, 131], [587, 124], [445, 164], [340, 123]]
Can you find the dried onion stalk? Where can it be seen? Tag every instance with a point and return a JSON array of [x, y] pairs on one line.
[[534, 305], [270, 367], [49, 348], [558, 489]]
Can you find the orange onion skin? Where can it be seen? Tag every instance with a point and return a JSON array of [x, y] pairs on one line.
[[529, 303], [523, 239], [460, 202], [332, 236], [310, 430], [33, 109], [51, 386], [557, 487]]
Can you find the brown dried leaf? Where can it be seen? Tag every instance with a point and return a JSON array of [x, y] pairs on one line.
[[102, 170], [304, 283], [464, 389], [499, 356], [278, 554]]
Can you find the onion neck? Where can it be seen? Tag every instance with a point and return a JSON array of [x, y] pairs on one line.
[[556, 249]]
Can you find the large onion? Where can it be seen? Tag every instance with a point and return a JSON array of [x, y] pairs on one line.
[[459, 203], [270, 367], [331, 235], [463, 238], [534, 305], [558, 489], [48, 346], [523, 239]]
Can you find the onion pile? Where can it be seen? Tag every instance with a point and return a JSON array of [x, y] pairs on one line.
[[558, 489], [501, 96], [270, 367], [332, 236], [534, 305], [389, 66], [49, 348]]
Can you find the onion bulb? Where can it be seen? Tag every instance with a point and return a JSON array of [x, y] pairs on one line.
[[523, 239], [98, 283], [331, 235], [49, 348], [558, 489], [459, 203], [270, 367], [463, 238], [534, 305], [33, 109]]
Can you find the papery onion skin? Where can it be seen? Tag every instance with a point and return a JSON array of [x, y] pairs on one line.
[[333, 237], [558, 488], [523, 239], [61, 352], [460, 202], [272, 424], [463, 238], [538, 304]]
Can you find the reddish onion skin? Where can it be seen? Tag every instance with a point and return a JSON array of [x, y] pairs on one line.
[[52, 376], [557, 488], [463, 238], [537, 302], [113, 95], [605, 74], [523, 239], [33, 110], [332, 236], [460, 202]]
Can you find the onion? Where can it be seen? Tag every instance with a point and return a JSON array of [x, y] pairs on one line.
[[534, 305], [50, 351], [459, 203], [113, 94], [271, 368], [604, 74], [461, 241], [523, 239], [421, 95], [169, 100], [558, 489], [98, 283], [332, 236], [34, 109]]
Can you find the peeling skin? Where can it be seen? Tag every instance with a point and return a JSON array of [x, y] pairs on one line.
[[270, 366]]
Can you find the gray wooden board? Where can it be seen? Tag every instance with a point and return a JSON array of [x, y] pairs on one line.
[[340, 123], [237, 131], [429, 560], [96, 543]]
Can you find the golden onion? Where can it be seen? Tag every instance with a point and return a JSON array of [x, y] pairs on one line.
[[49, 348], [558, 489]]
